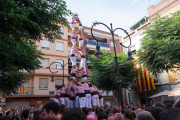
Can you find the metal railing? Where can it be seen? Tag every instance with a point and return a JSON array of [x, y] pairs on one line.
[[24, 90], [94, 42]]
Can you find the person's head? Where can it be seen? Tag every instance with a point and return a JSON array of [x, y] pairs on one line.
[[170, 114], [85, 110], [102, 116], [99, 110], [115, 109], [58, 87], [63, 85], [177, 103], [74, 114], [82, 82], [168, 105], [159, 104], [51, 109], [119, 116], [15, 117], [37, 115], [155, 110], [6, 118], [63, 108], [167, 101], [90, 85], [144, 116], [8, 113], [26, 114], [128, 114], [126, 106]]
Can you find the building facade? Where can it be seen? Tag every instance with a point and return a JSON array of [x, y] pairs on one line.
[[164, 81], [40, 89]]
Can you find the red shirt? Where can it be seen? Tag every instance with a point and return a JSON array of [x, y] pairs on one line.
[[89, 118]]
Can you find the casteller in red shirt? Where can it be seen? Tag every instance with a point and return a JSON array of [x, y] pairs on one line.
[[89, 118]]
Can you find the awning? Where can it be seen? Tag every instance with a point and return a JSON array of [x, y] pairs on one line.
[[163, 93], [175, 91]]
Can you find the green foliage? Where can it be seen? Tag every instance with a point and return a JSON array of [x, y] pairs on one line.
[[160, 47], [21, 20], [104, 74]]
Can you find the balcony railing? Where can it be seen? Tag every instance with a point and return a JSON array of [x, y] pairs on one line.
[[24, 91], [93, 42]]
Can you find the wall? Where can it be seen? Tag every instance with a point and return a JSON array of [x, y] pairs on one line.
[[164, 7]]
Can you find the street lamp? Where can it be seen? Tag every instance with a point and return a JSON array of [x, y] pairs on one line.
[[63, 65], [99, 54]]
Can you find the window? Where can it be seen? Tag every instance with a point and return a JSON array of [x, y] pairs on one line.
[[112, 45], [59, 46], [43, 83], [58, 65], [58, 82], [45, 44], [105, 93], [45, 63], [61, 30]]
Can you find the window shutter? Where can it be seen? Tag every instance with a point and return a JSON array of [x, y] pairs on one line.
[[45, 44], [59, 66], [45, 63], [58, 82], [43, 82], [60, 46]]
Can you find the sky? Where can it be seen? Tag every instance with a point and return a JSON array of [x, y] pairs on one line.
[[121, 13]]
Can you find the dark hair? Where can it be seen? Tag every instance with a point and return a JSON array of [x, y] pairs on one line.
[[168, 105], [115, 109], [99, 110], [147, 109], [123, 111], [63, 85], [6, 118], [15, 117], [133, 109], [62, 106], [177, 104], [159, 104], [102, 116], [85, 110], [7, 113], [54, 106], [170, 114], [74, 114], [82, 82], [37, 115], [155, 110], [129, 114], [90, 85], [26, 113], [58, 87], [167, 101], [50, 118]]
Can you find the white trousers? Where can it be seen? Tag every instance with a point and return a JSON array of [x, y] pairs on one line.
[[73, 42], [73, 60], [95, 99], [88, 100], [80, 43], [83, 63], [72, 103], [80, 28], [67, 102], [62, 101], [101, 102], [77, 101], [55, 100], [72, 26], [82, 102]]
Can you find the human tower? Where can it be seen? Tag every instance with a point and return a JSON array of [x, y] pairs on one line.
[[76, 94]]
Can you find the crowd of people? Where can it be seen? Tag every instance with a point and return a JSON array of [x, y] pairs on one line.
[[76, 94], [165, 110]]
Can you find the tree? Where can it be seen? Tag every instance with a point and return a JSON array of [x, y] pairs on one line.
[[21, 20], [160, 49], [104, 74]]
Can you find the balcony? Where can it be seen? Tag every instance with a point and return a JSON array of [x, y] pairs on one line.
[[91, 44], [24, 91]]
